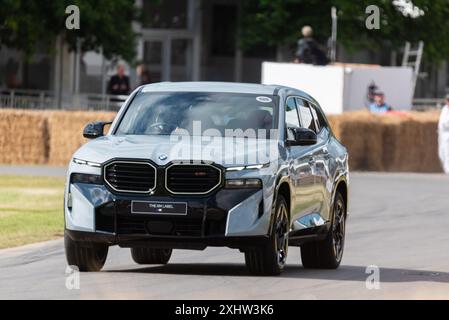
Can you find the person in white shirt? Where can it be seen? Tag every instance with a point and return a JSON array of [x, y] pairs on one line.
[[443, 136]]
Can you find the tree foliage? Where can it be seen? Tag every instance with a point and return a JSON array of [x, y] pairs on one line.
[[27, 24], [278, 22]]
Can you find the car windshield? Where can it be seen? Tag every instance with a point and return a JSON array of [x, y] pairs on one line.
[[199, 113]]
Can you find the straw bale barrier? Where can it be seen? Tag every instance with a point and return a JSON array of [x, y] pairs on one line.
[[23, 137], [402, 142], [399, 142], [66, 132]]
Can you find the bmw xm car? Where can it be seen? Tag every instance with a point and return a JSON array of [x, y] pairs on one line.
[[197, 164]]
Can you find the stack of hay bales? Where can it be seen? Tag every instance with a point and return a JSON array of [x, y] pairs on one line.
[[23, 137], [419, 149], [406, 142], [66, 132], [363, 137]]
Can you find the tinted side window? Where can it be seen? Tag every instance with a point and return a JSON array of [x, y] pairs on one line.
[[305, 115], [291, 118], [321, 118], [315, 117]]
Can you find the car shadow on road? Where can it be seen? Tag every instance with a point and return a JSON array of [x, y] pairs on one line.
[[206, 269], [344, 273], [360, 273]]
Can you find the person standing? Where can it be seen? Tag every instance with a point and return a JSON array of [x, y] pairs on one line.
[[143, 74], [119, 83], [308, 50], [443, 136]]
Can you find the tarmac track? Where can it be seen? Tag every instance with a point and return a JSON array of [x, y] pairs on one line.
[[398, 223]]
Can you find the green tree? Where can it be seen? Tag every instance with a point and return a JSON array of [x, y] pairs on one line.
[[278, 22], [27, 24]]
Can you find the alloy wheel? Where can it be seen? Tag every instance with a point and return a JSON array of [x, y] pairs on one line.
[[338, 228], [281, 234]]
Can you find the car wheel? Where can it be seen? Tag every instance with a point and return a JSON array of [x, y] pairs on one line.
[[151, 255], [270, 258], [327, 253], [88, 257]]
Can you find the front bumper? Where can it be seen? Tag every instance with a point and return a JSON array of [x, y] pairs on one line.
[[233, 218], [166, 242]]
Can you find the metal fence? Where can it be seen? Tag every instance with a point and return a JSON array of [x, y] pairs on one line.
[[32, 99], [423, 104]]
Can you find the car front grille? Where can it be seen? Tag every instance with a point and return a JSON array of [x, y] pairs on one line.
[[128, 176], [192, 178]]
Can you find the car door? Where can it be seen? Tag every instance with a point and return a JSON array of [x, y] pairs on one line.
[[315, 203], [321, 160], [323, 174], [300, 171]]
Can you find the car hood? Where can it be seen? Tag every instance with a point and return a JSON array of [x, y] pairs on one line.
[[226, 151]]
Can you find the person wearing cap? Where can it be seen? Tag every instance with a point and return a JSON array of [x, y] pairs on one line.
[[443, 136], [308, 50], [379, 105]]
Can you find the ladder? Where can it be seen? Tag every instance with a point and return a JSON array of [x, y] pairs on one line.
[[412, 58]]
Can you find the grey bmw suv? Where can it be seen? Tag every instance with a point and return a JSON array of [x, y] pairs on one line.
[[196, 164]]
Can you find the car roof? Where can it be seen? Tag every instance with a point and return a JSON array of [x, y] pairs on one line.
[[225, 87], [204, 86]]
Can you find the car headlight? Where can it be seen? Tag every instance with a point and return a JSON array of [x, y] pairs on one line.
[[86, 178], [243, 183], [248, 167], [87, 163]]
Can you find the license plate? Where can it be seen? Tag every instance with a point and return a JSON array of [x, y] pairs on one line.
[[154, 207]]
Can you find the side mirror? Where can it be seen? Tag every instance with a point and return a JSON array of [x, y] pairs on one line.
[[94, 130], [304, 137]]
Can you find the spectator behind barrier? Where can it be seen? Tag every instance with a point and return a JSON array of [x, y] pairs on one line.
[[308, 50], [119, 83], [379, 105], [143, 74]]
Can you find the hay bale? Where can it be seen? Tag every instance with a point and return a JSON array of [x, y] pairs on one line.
[[411, 142], [405, 142], [401, 143], [363, 139], [391, 127], [23, 137], [361, 133], [425, 143], [66, 132]]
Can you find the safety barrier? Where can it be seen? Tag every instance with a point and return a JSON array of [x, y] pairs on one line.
[[401, 142]]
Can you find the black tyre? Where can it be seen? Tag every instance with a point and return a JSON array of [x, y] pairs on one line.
[[327, 253], [151, 255], [88, 257], [270, 258]]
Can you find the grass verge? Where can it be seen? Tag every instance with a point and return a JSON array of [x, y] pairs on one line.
[[30, 209]]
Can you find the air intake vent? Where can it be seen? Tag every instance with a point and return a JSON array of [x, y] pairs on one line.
[[142, 225], [192, 179], [134, 177]]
